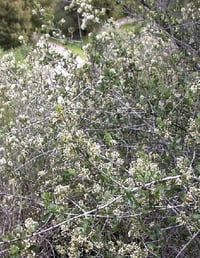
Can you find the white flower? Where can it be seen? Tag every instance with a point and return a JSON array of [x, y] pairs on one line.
[[21, 38], [42, 10], [42, 173], [30, 224], [2, 151], [94, 149], [62, 21], [2, 161], [61, 190], [60, 100], [34, 12]]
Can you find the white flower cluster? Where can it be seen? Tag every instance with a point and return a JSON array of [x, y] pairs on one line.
[[30, 224], [88, 12], [61, 192], [2, 157], [94, 149], [143, 169], [184, 168], [21, 38], [61, 250], [133, 250], [105, 36], [190, 12], [195, 87], [193, 129]]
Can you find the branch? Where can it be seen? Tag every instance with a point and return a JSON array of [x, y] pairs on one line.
[[182, 44], [95, 210], [187, 244]]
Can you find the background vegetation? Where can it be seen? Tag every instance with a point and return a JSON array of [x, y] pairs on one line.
[[101, 159], [20, 18], [15, 21]]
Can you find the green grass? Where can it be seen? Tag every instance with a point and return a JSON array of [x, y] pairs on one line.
[[75, 48], [20, 53], [129, 26], [135, 27], [1, 52]]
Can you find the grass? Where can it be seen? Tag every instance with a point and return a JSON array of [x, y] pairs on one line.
[[1, 52], [129, 26], [76, 48], [72, 45], [19, 53], [136, 27]]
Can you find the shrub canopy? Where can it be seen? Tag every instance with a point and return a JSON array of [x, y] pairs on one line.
[[101, 159]]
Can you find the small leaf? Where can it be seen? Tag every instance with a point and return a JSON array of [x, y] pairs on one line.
[[14, 250], [196, 216], [52, 207]]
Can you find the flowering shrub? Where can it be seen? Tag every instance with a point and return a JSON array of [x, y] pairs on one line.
[[90, 14], [100, 160]]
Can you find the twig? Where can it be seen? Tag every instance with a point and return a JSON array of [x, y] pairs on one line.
[[95, 210], [188, 243]]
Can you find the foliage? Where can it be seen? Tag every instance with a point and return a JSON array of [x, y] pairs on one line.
[[15, 22], [66, 20], [19, 18], [42, 14], [101, 159], [1, 52], [75, 18], [179, 19]]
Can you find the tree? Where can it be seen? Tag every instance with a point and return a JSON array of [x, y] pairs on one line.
[[66, 20], [15, 21], [21, 18], [42, 13]]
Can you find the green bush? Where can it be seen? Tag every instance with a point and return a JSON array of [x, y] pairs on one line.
[[19, 18], [15, 23], [42, 14]]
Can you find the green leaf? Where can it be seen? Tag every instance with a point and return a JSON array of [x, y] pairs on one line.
[[14, 251], [108, 138], [47, 195], [7, 237], [53, 207], [59, 108], [32, 248], [196, 216], [67, 174], [160, 122]]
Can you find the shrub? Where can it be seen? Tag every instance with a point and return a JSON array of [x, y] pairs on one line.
[[101, 160]]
